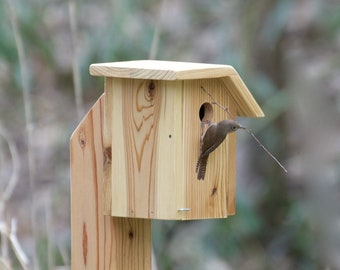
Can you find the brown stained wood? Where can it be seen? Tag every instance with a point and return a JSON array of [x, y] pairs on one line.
[[100, 242]]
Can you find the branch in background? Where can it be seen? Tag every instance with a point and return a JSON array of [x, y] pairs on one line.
[[28, 119], [10, 234], [78, 91], [15, 165], [155, 42], [16, 246], [156, 34], [49, 231], [4, 265]]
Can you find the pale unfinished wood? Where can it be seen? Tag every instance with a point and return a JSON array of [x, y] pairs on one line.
[[107, 145], [208, 198], [169, 189], [100, 242], [155, 146], [167, 70], [161, 70], [245, 103]]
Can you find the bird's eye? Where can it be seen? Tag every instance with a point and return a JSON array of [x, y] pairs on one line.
[[234, 128]]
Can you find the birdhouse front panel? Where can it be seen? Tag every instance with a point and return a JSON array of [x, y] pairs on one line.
[[155, 131], [153, 123]]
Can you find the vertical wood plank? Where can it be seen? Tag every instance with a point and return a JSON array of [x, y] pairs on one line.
[[100, 242], [115, 126], [170, 176], [107, 144], [231, 196], [134, 120], [141, 106]]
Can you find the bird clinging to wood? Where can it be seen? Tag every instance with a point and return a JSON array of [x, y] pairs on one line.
[[213, 137]]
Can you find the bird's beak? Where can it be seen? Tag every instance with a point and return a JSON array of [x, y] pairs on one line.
[[241, 127]]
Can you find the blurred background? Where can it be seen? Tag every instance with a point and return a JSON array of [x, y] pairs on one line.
[[286, 51]]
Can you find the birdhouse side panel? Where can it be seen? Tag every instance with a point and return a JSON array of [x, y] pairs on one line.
[[207, 198], [231, 195], [246, 104]]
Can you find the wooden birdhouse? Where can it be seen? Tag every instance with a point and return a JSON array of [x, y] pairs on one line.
[[153, 126], [145, 133]]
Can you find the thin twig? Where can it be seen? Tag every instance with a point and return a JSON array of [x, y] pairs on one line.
[[49, 232], [264, 148], [213, 101]]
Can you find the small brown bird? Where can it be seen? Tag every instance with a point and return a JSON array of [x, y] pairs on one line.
[[213, 137]]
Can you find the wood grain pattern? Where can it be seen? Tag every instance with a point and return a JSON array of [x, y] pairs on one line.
[[170, 169], [155, 146], [141, 106], [160, 70], [167, 70], [107, 145], [245, 102], [100, 242], [208, 198]]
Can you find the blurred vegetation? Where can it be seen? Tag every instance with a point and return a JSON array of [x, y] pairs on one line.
[[288, 53]]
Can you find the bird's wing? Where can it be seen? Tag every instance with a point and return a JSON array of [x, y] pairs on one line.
[[210, 140]]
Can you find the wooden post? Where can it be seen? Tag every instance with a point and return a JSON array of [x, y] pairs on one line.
[[133, 158], [99, 241]]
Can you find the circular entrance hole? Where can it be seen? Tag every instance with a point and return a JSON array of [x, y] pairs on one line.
[[206, 112]]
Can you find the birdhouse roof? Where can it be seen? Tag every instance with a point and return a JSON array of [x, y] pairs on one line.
[[167, 70]]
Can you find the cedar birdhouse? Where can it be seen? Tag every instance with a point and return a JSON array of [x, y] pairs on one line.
[[153, 111]]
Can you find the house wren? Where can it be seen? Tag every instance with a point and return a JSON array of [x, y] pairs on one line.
[[213, 137]]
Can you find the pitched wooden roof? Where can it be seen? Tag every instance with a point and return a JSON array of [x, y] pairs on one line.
[[168, 70]]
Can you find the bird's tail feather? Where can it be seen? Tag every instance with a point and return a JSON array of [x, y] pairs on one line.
[[201, 167]]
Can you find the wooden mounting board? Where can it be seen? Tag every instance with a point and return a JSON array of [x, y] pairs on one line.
[[100, 242]]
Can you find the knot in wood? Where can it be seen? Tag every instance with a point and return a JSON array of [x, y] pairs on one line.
[[84, 244], [214, 190], [131, 235], [151, 90], [82, 138], [107, 155]]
